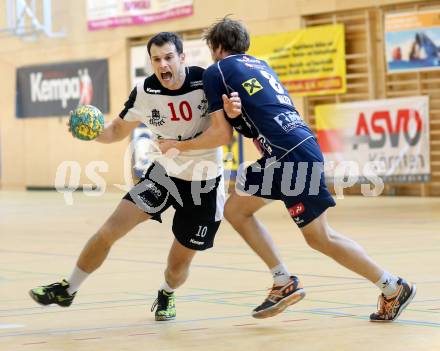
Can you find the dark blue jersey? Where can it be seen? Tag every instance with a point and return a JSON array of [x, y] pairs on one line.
[[266, 104]]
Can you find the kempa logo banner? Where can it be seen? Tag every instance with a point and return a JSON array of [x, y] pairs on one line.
[[55, 89]]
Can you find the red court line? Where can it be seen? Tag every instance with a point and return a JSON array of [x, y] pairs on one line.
[[347, 315], [294, 320], [193, 329], [242, 325]]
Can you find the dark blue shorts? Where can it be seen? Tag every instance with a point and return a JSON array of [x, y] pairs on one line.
[[296, 178]]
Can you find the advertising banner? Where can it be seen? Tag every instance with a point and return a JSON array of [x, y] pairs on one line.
[[389, 137], [412, 41], [56, 89], [104, 14], [309, 61]]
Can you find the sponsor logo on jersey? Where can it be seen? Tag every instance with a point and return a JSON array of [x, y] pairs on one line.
[[264, 144], [298, 220], [254, 66], [153, 189], [284, 99], [153, 91], [196, 83], [296, 209], [156, 119], [196, 242], [289, 121], [252, 86], [246, 59], [203, 107]]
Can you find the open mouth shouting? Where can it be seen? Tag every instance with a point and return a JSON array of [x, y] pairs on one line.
[[166, 76]]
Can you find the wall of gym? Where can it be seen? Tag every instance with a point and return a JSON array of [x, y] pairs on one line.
[[32, 149]]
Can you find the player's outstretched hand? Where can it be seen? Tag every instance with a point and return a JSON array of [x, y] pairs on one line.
[[232, 104], [168, 147]]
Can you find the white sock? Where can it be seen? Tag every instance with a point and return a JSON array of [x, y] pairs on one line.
[[280, 274], [76, 279], [387, 283], [166, 287]]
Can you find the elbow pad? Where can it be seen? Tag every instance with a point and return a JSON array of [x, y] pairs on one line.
[[240, 125]]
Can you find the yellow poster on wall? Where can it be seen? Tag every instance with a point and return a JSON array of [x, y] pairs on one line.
[[309, 61], [233, 155]]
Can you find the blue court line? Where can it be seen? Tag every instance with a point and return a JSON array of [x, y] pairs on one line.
[[211, 292], [329, 311], [122, 326], [323, 310], [192, 266], [402, 252], [197, 297], [23, 272], [193, 298], [318, 311], [366, 318], [344, 304], [254, 293], [306, 287], [73, 308], [4, 280], [156, 325]]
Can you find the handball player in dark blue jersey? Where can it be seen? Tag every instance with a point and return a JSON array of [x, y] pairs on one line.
[[290, 170]]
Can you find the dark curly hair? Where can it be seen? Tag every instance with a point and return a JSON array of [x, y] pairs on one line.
[[230, 34]]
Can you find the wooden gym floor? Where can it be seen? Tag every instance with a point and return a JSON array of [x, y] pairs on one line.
[[40, 238]]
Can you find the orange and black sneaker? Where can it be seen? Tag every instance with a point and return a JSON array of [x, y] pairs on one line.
[[280, 297], [390, 307]]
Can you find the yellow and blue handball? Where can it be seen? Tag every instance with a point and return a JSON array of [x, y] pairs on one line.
[[86, 122]]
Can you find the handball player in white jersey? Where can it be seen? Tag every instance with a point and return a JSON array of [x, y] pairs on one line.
[[172, 104]]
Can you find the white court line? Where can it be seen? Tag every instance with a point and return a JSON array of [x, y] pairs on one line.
[[11, 326]]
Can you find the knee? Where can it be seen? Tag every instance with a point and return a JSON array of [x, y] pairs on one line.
[[229, 214], [320, 241], [106, 235], [234, 213]]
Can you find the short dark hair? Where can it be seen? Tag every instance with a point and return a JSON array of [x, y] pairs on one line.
[[162, 38], [230, 34]]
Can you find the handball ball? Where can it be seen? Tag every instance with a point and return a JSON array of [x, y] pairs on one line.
[[86, 122]]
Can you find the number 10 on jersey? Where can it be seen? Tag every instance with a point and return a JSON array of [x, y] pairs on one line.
[[184, 110]]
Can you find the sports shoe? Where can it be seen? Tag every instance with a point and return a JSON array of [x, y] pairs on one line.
[[389, 308], [166, 306], [280, 297], [53, 293]]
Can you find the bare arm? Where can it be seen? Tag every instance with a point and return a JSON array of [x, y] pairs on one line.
[[116, 130], [219, 133]]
